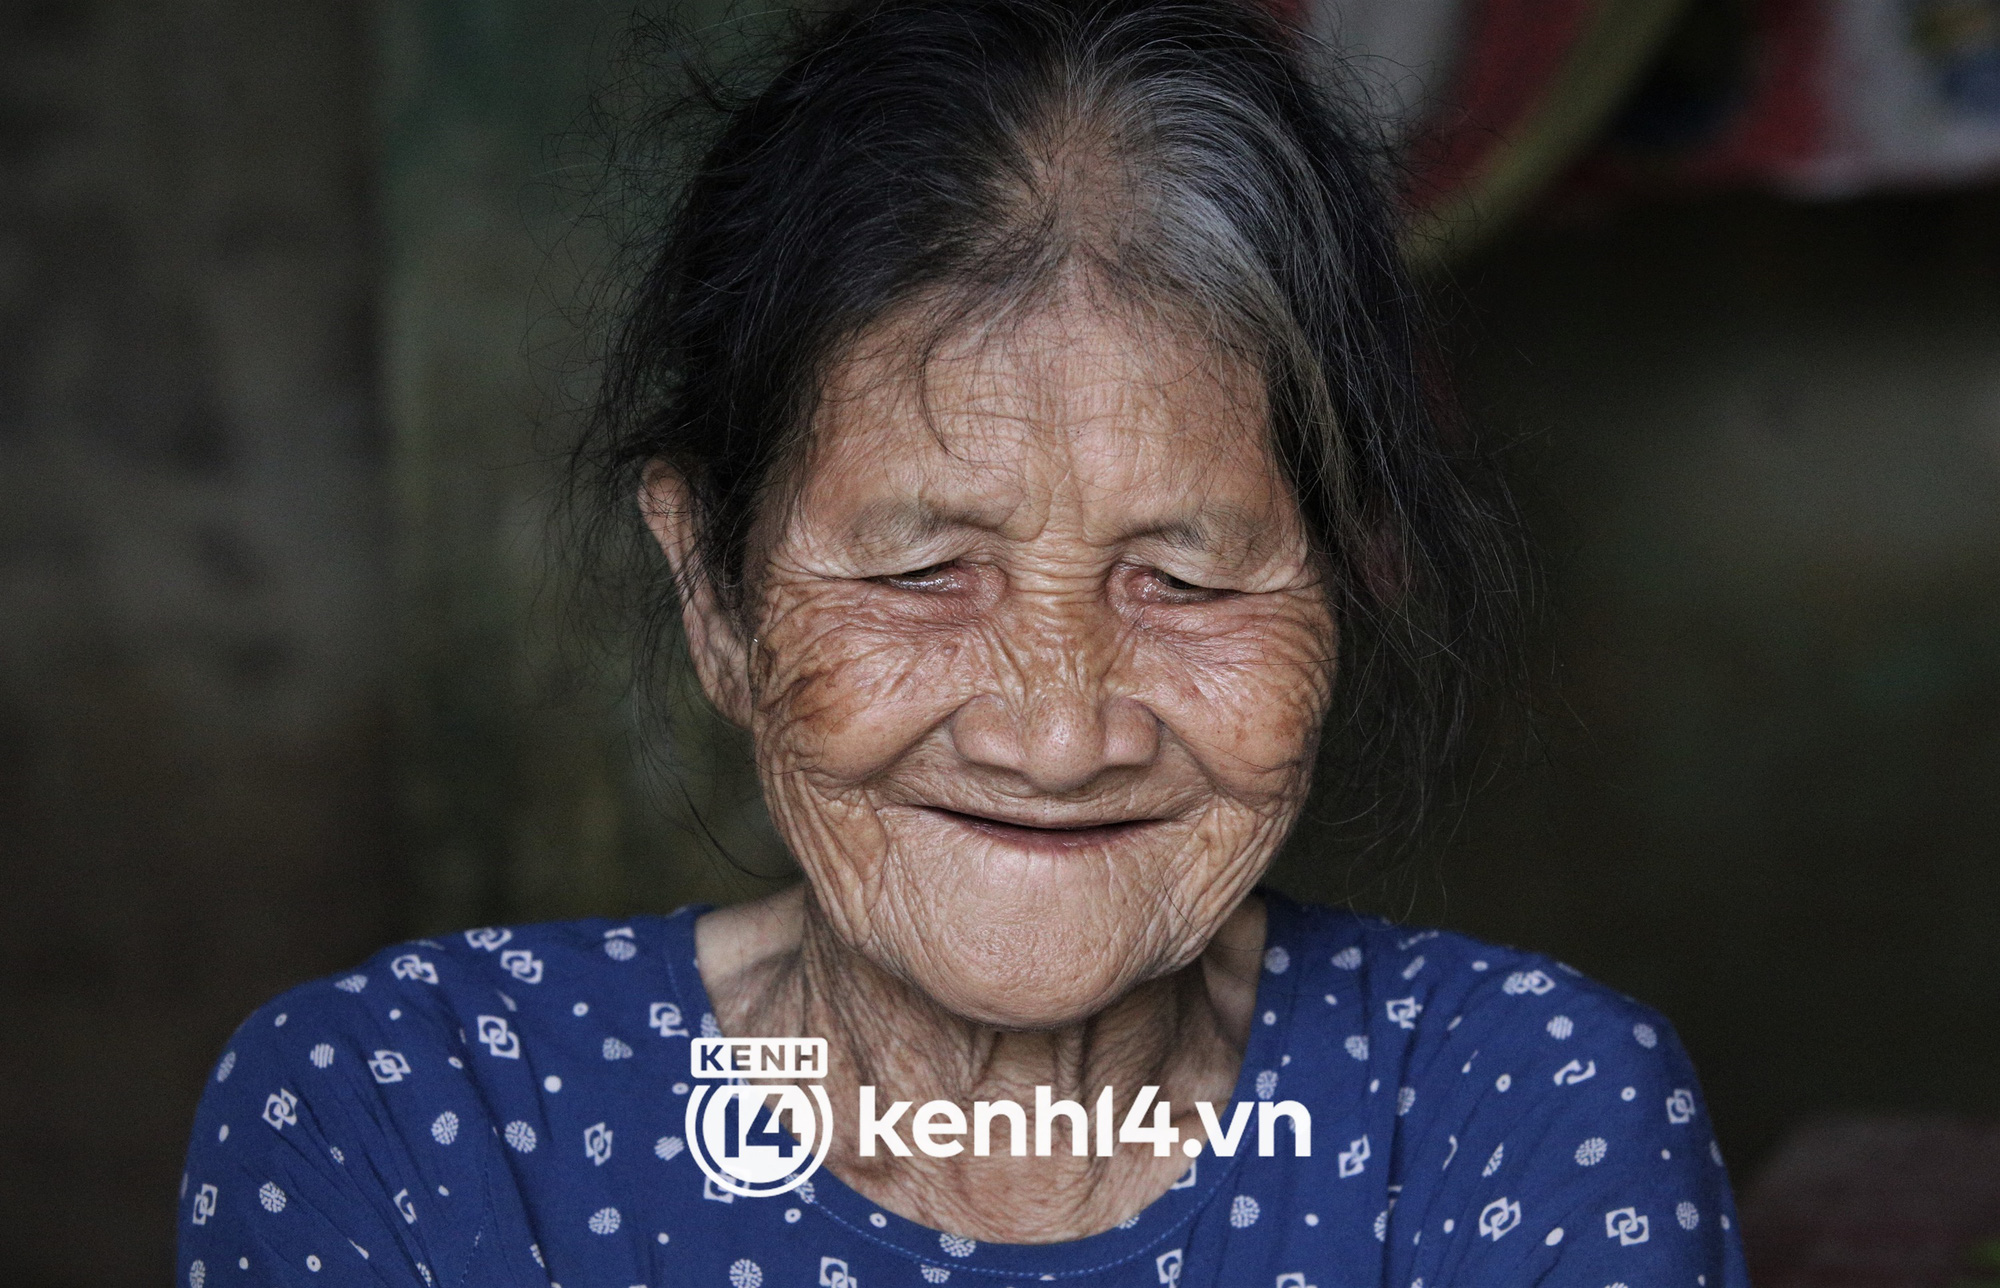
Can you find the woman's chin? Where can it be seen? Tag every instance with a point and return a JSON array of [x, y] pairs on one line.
[[1020, 939]]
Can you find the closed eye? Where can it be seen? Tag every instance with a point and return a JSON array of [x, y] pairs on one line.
[[935, 576], [1167, 588]]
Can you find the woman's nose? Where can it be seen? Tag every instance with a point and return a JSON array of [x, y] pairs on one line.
[[1058, 722]]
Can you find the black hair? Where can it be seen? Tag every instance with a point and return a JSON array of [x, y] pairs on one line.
[[908, 157]]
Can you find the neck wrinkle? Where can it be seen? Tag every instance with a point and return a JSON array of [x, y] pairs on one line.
[[884, 1032]]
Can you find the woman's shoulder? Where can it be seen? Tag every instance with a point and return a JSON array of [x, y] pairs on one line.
[[484, 989], [1421, 991], [1373, 956], [369, 1108], [491, 1010]]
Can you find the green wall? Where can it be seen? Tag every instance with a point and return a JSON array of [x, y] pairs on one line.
[[530, 787]]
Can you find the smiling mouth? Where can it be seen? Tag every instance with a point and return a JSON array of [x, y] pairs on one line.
[[1035, 836]]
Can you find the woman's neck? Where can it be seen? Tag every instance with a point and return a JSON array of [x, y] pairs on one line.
[[774, 968]]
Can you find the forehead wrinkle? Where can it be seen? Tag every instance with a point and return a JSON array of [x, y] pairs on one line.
[[1202, 525], [1052, 387]]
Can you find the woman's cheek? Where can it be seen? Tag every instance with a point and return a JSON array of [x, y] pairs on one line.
[[848, 693], [1249, 703]]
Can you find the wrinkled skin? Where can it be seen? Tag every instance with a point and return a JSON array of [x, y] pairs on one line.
[[1035, 665]]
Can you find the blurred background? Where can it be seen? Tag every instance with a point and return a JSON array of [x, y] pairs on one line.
[[294, 306]]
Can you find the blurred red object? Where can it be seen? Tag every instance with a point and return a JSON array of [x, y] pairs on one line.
[[1491, 99], [1511, 57], [1821, 99], [1868, 1202]]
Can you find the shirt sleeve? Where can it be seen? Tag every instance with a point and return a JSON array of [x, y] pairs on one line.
[[1579, 1153], [302, 1168], [1661, 1211]]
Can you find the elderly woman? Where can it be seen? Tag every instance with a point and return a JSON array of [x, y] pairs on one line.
[[1026, 403]]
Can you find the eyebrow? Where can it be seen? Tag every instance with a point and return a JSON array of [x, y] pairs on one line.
[[915, 522]]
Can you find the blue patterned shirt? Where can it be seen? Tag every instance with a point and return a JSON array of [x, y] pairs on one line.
[[505, 1108]]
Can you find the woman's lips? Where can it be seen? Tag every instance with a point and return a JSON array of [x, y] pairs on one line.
[[1046, 837]]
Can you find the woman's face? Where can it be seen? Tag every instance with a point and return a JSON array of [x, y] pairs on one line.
[[1039, 664]]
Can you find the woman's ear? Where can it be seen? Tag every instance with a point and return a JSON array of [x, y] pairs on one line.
[[721, 654]]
